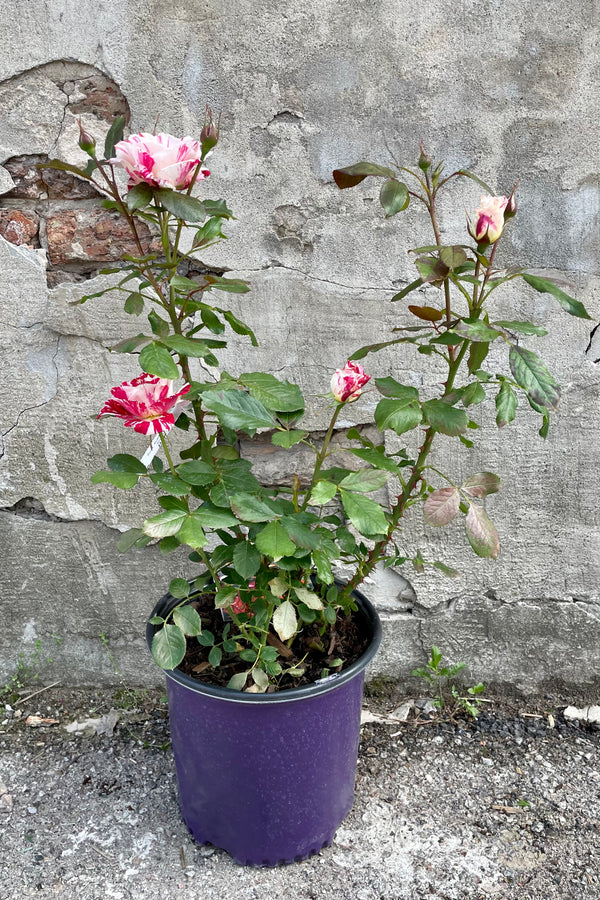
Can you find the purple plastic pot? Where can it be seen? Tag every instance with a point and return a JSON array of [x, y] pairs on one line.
[[268, 777]]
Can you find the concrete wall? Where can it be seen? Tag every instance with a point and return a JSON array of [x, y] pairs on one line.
[[507, 88]]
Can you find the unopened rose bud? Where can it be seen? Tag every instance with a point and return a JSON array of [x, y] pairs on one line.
[[209, 134], [87, 143], [511, 207], [347, 383], [424, 160], [488, 219]]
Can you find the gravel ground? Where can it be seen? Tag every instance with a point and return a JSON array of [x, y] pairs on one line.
[[503, 807]]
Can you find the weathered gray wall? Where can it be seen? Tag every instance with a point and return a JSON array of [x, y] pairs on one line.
[[508, 88]]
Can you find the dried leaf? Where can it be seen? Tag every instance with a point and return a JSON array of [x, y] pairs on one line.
[[37, 721]]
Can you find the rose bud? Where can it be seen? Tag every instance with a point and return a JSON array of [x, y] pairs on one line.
[[488, 219], [209, 134], [511, 207], [424, 160], [87, 143], [160, 160], [346, 383]]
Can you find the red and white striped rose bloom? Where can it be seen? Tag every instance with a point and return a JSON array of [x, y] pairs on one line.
[[488, 219], [347, 383], [160, 160], [146, 404]]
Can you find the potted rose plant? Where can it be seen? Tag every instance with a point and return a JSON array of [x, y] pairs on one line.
[[264, 648]]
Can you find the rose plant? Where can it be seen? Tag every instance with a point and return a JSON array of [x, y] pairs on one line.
[[266, 557]]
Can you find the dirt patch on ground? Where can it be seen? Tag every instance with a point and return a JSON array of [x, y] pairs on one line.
[[505, 807]]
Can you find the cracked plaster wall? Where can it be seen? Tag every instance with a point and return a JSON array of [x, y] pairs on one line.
[[507, 89]]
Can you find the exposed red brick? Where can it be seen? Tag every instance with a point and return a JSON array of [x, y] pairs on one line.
[[18, 227], [102, 98], [31, 182], [92, 236]]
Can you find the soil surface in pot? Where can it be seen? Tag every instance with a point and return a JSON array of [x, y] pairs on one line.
[[314, 652]]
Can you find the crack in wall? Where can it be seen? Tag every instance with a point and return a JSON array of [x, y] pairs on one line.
[[27, 409]]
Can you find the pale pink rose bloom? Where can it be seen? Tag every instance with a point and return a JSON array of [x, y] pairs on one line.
[[488, 219], [346, 383], [159, 160], [146, 404]]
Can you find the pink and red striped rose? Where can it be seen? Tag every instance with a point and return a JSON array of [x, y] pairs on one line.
[[146, 404], [160, 160], [347, 383]]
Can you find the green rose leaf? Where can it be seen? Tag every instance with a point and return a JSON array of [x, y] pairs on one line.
[[545, 286], [129, 538], [179, 588], [302, 535], [531, 374], [276, 395], [285, 621], [448, 571], [506, 405], [474, 393], [445, 418], [238, 410], [522, 327], [123, 480], [157, 360], [167, 482], [225, 596], [394, 197], [442, 506], [124, 462], [134, 305], [186, 618], [168, 646], [165, 523], [139, 196], [477, 354], [249, 508], [353, 175], [407, 290], [287, 439], [378, 460], [246, 559], [389, 387], [366, 515], [365, 480], [398, 414], [476, 330], [114, 135], [192, 533], [322, 493], [181, 205], [197, 472], [482, 533], [130, 344], [323, 567], [481, 484], [274, 542], [192, 347], [214, 516]]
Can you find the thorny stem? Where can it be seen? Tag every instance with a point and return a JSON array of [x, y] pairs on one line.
[[399, 508]]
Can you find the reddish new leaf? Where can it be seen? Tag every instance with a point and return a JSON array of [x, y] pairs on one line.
[[481, 484], [482, 533], [442, 506]]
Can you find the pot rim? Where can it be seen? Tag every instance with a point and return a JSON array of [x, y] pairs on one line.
[[321, 686]]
